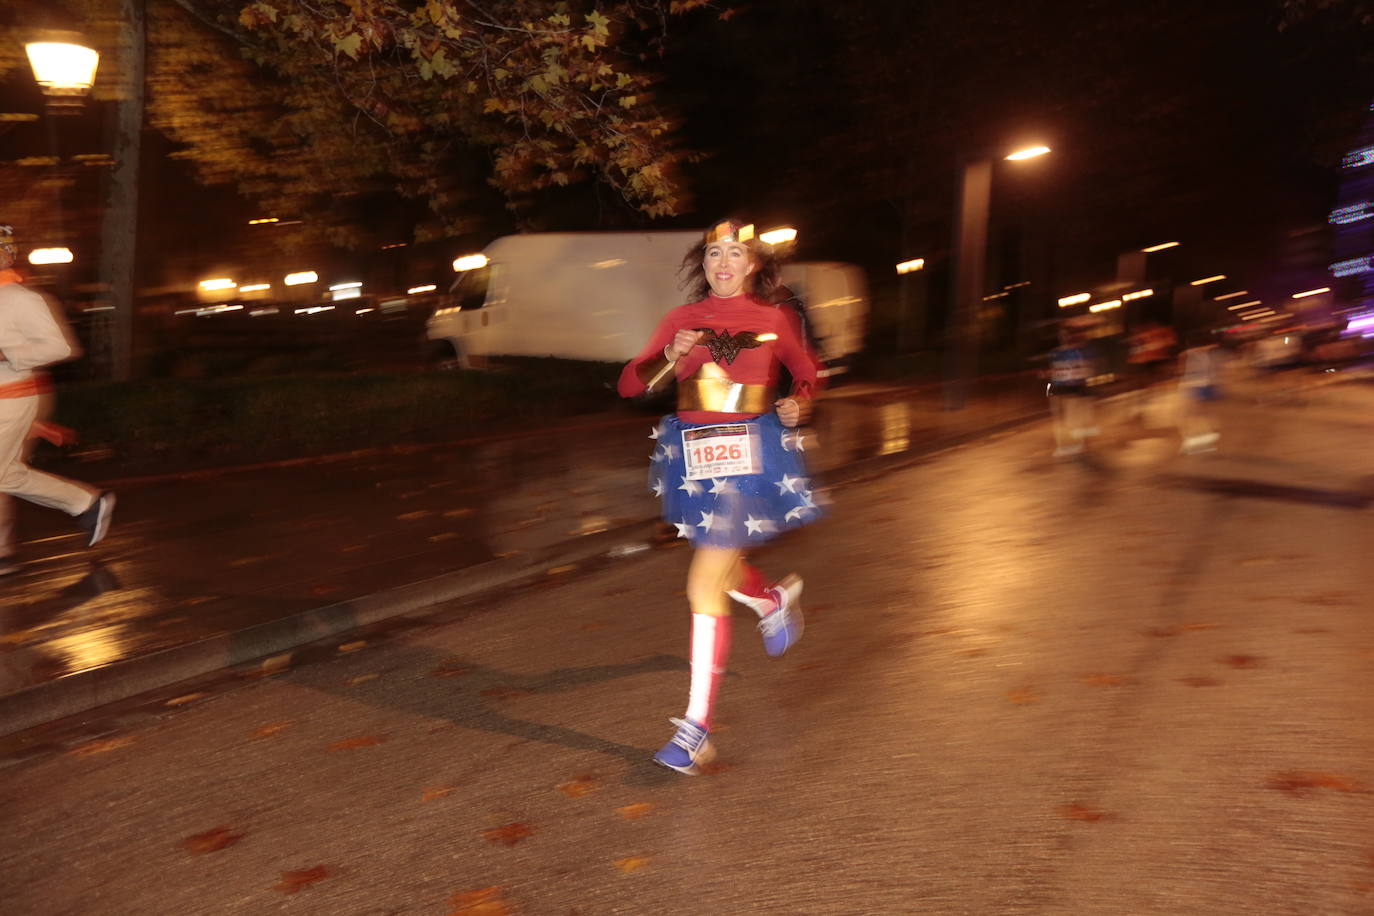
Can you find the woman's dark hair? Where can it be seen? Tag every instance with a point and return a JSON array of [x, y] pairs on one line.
[[761, 284]]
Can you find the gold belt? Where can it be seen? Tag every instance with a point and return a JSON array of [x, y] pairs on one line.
[[721, 395]]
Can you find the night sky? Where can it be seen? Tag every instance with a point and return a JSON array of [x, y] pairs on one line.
[[1206, 123]]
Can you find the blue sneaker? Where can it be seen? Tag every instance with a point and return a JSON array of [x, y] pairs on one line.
[[687, 749], [782, 628]]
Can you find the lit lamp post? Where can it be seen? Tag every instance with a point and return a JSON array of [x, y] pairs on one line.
[[66, 72], [971, 245]]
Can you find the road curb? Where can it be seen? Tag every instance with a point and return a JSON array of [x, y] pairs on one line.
[[83, 691]]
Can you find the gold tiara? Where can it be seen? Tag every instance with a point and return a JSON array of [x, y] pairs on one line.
[[728, 230]]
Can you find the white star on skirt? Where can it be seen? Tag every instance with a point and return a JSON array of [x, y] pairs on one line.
[[653, 433], [707, 520], [690, 487], [787, 484], [793, 514], [682, 529], [657, 488], [670, 450], [758, 525], [722, 485]]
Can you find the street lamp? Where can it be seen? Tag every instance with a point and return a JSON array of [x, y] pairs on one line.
[[971, 244], [65, 70]]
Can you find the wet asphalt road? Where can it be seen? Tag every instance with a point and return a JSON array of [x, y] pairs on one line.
[[1121, 686]]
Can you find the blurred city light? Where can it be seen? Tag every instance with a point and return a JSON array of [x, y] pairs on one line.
[[259, 312], [778, 236], [255, 287], [1160, 247], [1105, 306], [416, 290], [1361, 265], [1241, 292], [1359, 158], [1075, 299], [300, 278], [217, 284], [390, 245], [1138, 294], [314, 309], [1243, 305], [1205, 280], [348, 292], [915, 264], [352, 284], [1029, 152], [263, 220], [40, 256], [364, 311], [62, 68], [1311, 292], [469, 262], [1353, 213]]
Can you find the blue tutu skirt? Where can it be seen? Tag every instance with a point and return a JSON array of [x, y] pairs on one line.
[[741, 510]]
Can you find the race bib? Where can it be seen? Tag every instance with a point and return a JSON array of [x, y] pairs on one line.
[[726, 450]]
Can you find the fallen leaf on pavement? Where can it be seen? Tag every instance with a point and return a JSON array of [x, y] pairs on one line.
[[1302, 782], [636, 811], [432, 793], [276, 664], [349, 744], [183, 700], [103, 746], [508, 835], [486, 902], [293, 881], [270, 729], [631, 864], [211, 841], [1081, 812], [353, 646], [504, 693], [579, 786]]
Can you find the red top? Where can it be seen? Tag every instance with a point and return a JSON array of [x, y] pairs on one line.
[[744, 358]]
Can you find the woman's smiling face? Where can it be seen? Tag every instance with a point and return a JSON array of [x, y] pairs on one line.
[[728, 265]]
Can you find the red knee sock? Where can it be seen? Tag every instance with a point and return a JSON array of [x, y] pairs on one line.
[[752, 591], [710, 652]]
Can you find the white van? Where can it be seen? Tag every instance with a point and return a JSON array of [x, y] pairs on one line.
[[599, 296]]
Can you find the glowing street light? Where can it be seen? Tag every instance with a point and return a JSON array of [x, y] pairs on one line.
[[417, 290], [1075, 299], [1243, 305], [1105, 306], [1243, 292], [1205, 280], [1312, 292], [65, 70], [778, 236], [1160, 247], [469, 262], [40, 256], [217, 284], [255, 288], [300, 278], [909, 267], [1138, 294], [1029, 152], [262, 221]]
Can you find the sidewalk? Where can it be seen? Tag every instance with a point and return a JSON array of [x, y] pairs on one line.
[[211, 569]]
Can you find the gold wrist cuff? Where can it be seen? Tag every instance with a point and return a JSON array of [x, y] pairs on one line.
[[655, 372], [721, 395]]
